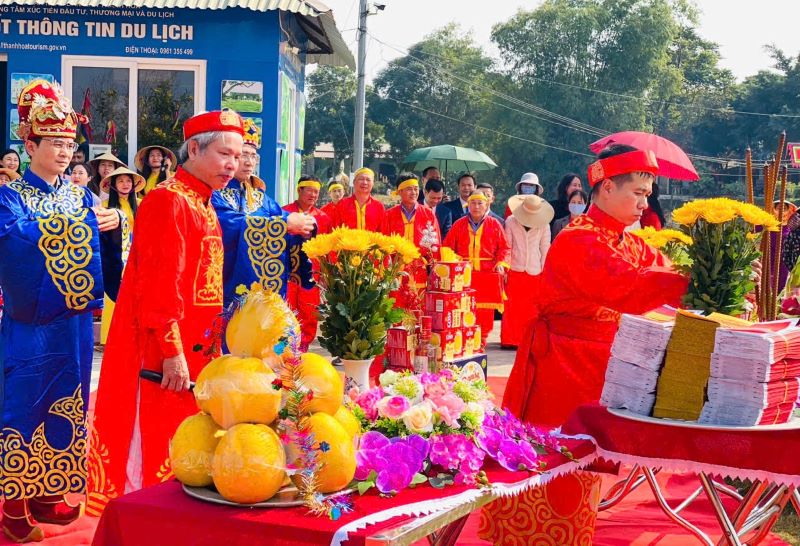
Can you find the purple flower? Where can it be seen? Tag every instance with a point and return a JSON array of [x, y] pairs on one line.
[[395, 461]]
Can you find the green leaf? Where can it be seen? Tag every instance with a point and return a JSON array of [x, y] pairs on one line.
[[418, 479]]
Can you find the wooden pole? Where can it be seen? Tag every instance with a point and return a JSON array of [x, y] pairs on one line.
[[749, 174], [776, 287]]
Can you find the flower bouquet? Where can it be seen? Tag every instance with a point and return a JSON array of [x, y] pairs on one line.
[[437, 428], [358, 270], [724, 246]]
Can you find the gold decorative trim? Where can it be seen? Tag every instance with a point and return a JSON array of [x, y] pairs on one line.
[[208, 279], [36, 468], [66, 246], [266, 243]]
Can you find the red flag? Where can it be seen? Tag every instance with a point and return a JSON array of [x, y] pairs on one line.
[[111, 132], [86, 124]]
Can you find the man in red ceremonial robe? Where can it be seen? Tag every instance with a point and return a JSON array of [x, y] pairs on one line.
[[360, 210], [481, 239], [415, 223], [336, 192], [170, 295], [305, 301], [594, 272]]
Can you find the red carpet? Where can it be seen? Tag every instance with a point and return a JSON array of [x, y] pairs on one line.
[[637, 521]]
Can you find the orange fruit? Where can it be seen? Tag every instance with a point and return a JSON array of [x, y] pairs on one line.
[[191, 450], [339, 456], [237, 390], [249, 464], [348, 421], [318, 375]]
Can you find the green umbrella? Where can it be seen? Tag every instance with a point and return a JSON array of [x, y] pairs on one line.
[[448, 158]]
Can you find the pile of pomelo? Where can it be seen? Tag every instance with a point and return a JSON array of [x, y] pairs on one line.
[[232, 443]]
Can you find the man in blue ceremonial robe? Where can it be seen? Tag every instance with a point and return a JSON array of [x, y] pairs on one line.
[[50, 273], [262, 241]]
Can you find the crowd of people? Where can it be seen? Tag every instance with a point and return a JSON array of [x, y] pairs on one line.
[[167, 244]]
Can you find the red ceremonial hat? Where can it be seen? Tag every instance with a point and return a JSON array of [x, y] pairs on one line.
[[218, 120], [636, 161], [44, 111]]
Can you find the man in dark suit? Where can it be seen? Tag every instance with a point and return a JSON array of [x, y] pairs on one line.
[[427, 174], [458, 207], [434, 193], [488, 190]]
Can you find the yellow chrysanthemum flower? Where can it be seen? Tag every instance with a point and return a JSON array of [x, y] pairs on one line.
[[659, 239], [685, 216], [318, 246], [758, 217], [356, 241], [719, 213]]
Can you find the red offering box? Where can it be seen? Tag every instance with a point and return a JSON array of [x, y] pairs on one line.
[[450, 276], [449, 344], [472, 339], [468, 303], [400, 359], [444, 309], [400, 338]]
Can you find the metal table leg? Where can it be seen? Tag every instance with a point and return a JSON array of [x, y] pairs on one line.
[[621, 489], [668, 510], [728, 530]]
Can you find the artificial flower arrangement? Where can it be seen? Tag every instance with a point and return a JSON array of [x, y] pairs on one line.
[[724, 244], [358, 270], [438, 428]]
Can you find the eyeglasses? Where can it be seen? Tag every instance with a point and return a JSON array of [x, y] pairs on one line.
[[251, 157], [62, 144]]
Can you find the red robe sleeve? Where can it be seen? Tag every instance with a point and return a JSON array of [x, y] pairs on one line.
[[630, 278], [159, 268]]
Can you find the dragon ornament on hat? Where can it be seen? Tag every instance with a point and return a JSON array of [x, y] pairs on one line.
[[44, 111]]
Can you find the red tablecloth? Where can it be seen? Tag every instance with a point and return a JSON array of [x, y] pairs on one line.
[[767, 455], [165, 515]]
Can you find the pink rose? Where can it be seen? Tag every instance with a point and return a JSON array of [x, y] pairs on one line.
[[449, 408], [393, 407], [353, 394], [368, 400], [436, 389]]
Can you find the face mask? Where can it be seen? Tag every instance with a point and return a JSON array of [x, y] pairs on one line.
[[527, 189], [576, 208]]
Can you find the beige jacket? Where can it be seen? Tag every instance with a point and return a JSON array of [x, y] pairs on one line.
[[528, 248]]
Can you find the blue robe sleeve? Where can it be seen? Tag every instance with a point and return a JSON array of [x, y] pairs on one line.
[[50, 267]]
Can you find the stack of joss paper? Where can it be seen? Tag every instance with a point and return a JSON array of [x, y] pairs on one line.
[[681, 391], [636, 357], [755, 375]]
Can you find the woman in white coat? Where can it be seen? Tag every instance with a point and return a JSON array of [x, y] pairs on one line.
[[528, 234]]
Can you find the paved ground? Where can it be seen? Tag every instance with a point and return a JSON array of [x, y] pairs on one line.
[[500, 361]]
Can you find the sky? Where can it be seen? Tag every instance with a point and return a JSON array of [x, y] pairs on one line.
[[741, 27]]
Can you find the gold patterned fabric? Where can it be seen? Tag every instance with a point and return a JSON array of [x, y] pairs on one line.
[[50, 273], [561, 513]]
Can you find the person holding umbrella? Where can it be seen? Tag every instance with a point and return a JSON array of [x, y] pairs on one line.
[[562, 357]]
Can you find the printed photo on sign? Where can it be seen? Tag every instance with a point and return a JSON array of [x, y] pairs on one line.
[[24, 158], [20, 80], [13, 115], [242, 96]]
